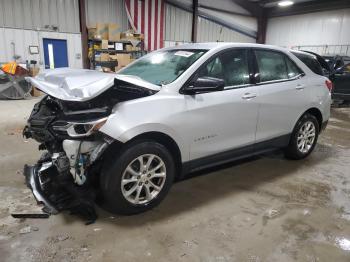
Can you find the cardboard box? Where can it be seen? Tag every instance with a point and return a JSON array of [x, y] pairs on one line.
[[91, 32], [131, 35], [104, 57], [36, 92], [33, 71], [123, 59], [132, 48], [101, 31], [113, 32], [113, 57], [129, 47], [104, 44]]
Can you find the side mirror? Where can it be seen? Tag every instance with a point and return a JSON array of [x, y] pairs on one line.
[[204, 85]]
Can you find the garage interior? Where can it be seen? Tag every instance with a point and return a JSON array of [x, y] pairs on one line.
[[263, 208]]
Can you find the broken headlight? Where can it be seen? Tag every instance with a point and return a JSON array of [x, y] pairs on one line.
[[81, 129]]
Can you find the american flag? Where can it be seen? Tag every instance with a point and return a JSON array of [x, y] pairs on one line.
[[147, 17]]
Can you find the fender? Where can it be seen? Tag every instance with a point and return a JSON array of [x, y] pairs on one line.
[[122, 135]]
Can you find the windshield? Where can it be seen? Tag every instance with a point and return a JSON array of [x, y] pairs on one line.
[[163, 67]]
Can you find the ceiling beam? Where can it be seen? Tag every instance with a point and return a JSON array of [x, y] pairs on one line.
[[251, 7], [308, 7], [223, 10], [233, 26]]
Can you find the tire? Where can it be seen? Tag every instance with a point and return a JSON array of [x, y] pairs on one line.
[[127, 167], [295, 151]]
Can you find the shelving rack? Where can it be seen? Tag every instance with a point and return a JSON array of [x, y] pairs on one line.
[[111, 64]]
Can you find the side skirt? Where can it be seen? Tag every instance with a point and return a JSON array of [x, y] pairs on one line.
[[235, 154]]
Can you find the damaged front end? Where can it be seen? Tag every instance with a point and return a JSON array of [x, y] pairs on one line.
[[66, 176]]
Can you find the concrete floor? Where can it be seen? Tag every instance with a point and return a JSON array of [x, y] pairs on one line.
[[261, 209]]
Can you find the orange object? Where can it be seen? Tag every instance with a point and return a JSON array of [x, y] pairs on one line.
[[9, 68]]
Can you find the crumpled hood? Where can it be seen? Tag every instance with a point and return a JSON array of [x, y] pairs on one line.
[[80, 84]]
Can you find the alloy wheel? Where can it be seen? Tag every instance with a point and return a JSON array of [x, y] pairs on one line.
[[143, 179], [306, 137]]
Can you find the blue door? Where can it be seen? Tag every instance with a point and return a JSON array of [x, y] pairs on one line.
[[55, 53]]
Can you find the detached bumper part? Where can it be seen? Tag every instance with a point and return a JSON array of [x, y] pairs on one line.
[[32, 181], [57, 192]]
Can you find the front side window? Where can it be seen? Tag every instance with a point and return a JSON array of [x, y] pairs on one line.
[[230, 66], [271, 65], [163, 67]]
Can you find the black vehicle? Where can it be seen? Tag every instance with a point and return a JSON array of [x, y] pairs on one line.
[[315, 62], [335, 67], [340, 76]]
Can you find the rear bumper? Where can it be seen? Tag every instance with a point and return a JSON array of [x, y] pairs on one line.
[[340, 96]]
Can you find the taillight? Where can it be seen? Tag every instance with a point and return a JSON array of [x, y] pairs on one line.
[[329, 85]]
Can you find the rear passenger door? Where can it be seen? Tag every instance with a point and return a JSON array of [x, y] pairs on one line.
[[282, 95]]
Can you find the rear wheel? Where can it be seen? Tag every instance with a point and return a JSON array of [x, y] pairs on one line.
[[304, 137], [138, 179]]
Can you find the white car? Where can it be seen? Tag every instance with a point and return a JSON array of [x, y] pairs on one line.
[[126, 137]]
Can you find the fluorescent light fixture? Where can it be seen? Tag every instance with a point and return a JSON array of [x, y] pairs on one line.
[[285, 3]]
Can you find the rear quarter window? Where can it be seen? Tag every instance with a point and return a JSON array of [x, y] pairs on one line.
[[310, 62]]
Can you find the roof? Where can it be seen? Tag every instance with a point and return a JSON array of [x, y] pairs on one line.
[[303, 53], [222, 45]]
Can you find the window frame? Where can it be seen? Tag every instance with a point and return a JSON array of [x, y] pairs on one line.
[[249, 53], [285, 56]]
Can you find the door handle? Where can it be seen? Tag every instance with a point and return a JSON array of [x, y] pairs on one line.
[[248, 96], [299, 87]]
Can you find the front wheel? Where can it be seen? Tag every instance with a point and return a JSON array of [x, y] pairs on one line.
[[138, 179], [303, 138]]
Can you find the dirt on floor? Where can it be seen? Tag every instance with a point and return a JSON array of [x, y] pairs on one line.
[[261, 209]]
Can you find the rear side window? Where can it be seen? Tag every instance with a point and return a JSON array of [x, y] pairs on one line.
[[293, 70], [311, 63], [272, 65], [231, 66]]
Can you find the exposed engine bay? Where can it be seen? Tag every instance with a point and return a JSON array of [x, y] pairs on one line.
[[66, 176]]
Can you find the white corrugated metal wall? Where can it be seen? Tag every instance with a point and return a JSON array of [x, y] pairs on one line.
[[209, 31], [36, 14], [23, 38], [177, 25], [106, 11], [27, 22], [321, 28], [178, 29]]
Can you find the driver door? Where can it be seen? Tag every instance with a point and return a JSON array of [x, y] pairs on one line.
[[221, 121]]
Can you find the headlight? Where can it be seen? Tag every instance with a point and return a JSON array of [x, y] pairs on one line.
[[86, 128]]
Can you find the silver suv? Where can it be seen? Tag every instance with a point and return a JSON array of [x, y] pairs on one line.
[[123, 139]]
